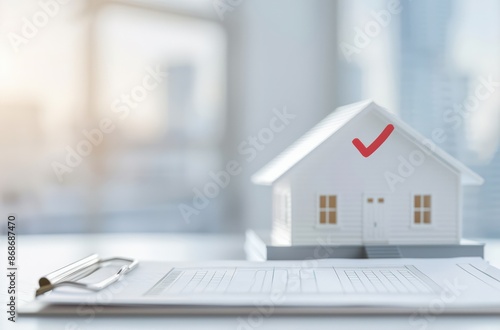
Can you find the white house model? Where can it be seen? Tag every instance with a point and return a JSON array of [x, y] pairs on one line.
[[361, 177]]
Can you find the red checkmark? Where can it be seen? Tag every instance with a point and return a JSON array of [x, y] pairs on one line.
[[367, 151]]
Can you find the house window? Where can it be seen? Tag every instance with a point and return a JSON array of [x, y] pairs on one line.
[[286, 209], [327, 209], [422, 210], [282, 208]]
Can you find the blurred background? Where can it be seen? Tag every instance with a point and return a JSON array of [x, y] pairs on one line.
[[119, 115]]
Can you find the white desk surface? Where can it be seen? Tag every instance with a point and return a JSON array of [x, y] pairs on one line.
[[38, 255]]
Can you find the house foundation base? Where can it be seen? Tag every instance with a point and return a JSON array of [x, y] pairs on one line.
[[258, 247]]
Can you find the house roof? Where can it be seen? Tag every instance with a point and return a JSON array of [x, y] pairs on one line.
[[334, 122]]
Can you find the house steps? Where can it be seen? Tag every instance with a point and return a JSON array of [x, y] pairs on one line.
[[382, 251]]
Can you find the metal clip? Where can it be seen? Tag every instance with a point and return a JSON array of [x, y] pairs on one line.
[[68, 275]]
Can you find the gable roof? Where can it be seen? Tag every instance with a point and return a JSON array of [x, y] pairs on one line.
[[335, 121]]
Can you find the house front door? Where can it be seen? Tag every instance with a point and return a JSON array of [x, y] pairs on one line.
[[374, 218]]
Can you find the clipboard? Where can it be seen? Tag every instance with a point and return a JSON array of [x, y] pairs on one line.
[[69, 275], [227, 287]]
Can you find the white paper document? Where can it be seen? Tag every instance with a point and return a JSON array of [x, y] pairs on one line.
[[454, 285]]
